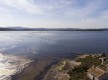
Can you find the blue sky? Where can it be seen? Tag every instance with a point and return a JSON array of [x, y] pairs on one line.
[[54, 13]]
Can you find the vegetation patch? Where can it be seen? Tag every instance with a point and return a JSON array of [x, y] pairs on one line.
[[80, 72]]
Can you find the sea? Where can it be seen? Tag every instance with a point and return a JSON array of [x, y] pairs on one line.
[[53, 43]]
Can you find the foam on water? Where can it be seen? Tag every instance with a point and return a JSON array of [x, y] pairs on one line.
[[10, 65]]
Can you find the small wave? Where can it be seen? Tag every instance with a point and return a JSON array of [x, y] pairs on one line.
[[10, 65]]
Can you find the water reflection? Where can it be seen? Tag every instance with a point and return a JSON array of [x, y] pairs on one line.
[[52, 42]]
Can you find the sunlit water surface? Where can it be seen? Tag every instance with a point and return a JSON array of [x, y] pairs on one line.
[[58, 43]]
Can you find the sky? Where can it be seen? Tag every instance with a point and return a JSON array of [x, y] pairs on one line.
[[54, 13]]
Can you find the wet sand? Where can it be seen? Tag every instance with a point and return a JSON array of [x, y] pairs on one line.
[[36, 70]]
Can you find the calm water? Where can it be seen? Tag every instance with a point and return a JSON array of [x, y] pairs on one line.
[[53, 42]]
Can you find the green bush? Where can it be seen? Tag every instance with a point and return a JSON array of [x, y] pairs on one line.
[[80, 72], [89, 61]]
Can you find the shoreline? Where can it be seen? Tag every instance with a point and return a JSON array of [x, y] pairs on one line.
[[76, 68], [43, 73], [38, 69], [11, 65], [21, 71], [35, 70]]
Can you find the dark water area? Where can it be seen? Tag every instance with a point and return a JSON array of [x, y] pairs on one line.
[[53, 43]]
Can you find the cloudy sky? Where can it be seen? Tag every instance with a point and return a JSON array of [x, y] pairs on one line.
[[54, 13]]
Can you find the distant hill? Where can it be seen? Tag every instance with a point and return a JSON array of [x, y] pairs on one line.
[[48, 29]]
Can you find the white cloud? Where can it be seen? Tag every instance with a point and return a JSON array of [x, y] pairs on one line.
[[35, 7], [69, 16], [89, 8], [5, 13], [25, 5], [99, 22], [104, 15]]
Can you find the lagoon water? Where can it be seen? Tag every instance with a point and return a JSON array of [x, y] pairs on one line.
[[58, 43]]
